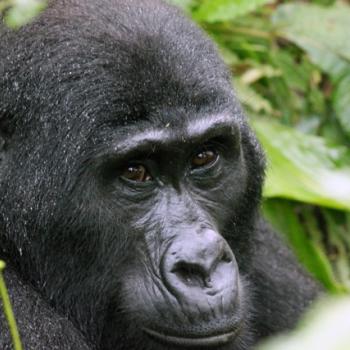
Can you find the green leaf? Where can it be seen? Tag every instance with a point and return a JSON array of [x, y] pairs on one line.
[[185, 5], [226, 10], [23, 11], [251, 98], [341, 101], [309, 250], [295, 75], [304, 167], [339, 244], [323, 32], [325, 327]]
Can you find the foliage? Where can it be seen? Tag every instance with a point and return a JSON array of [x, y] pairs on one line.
[[291, 66], [325, 327], [225, 10], [20, 12]]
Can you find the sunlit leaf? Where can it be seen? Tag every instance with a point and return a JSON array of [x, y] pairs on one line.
[[304, 167], [23, 11], [322, 31], [325, 327], [225, 10], [183, 4]]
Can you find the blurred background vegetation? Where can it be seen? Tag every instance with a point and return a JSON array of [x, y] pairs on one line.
[[290, 62]]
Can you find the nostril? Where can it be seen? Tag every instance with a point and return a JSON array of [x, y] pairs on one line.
[[191, 274], [226, 257]]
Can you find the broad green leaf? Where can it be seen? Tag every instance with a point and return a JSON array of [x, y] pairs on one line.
[[226, 10], [341, 101], [325, 327], [304, 167], [323, 32]]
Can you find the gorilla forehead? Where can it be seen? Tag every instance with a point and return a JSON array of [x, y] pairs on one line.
[[104, 64], [166, 132]]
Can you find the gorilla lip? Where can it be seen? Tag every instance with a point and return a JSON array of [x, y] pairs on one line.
[[214, 340]]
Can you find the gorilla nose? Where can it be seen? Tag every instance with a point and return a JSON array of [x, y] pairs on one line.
[[203, 262]]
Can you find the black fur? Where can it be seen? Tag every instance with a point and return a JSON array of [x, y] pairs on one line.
[[75, 86], [41, 327]]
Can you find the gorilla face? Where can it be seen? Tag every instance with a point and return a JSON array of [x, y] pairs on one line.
[[167, 188], [181, 283], [130, 178]]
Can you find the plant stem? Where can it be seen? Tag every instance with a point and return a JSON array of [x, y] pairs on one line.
[[8, 311]]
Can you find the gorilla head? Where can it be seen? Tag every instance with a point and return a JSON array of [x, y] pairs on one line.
[[129, 178]]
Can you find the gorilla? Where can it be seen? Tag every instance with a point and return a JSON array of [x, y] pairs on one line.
[[130, 186]]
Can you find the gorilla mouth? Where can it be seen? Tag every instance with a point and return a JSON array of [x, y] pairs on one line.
[[210, 341]]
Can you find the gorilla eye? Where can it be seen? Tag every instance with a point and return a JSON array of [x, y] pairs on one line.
[[137, 173], [205, 157]]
